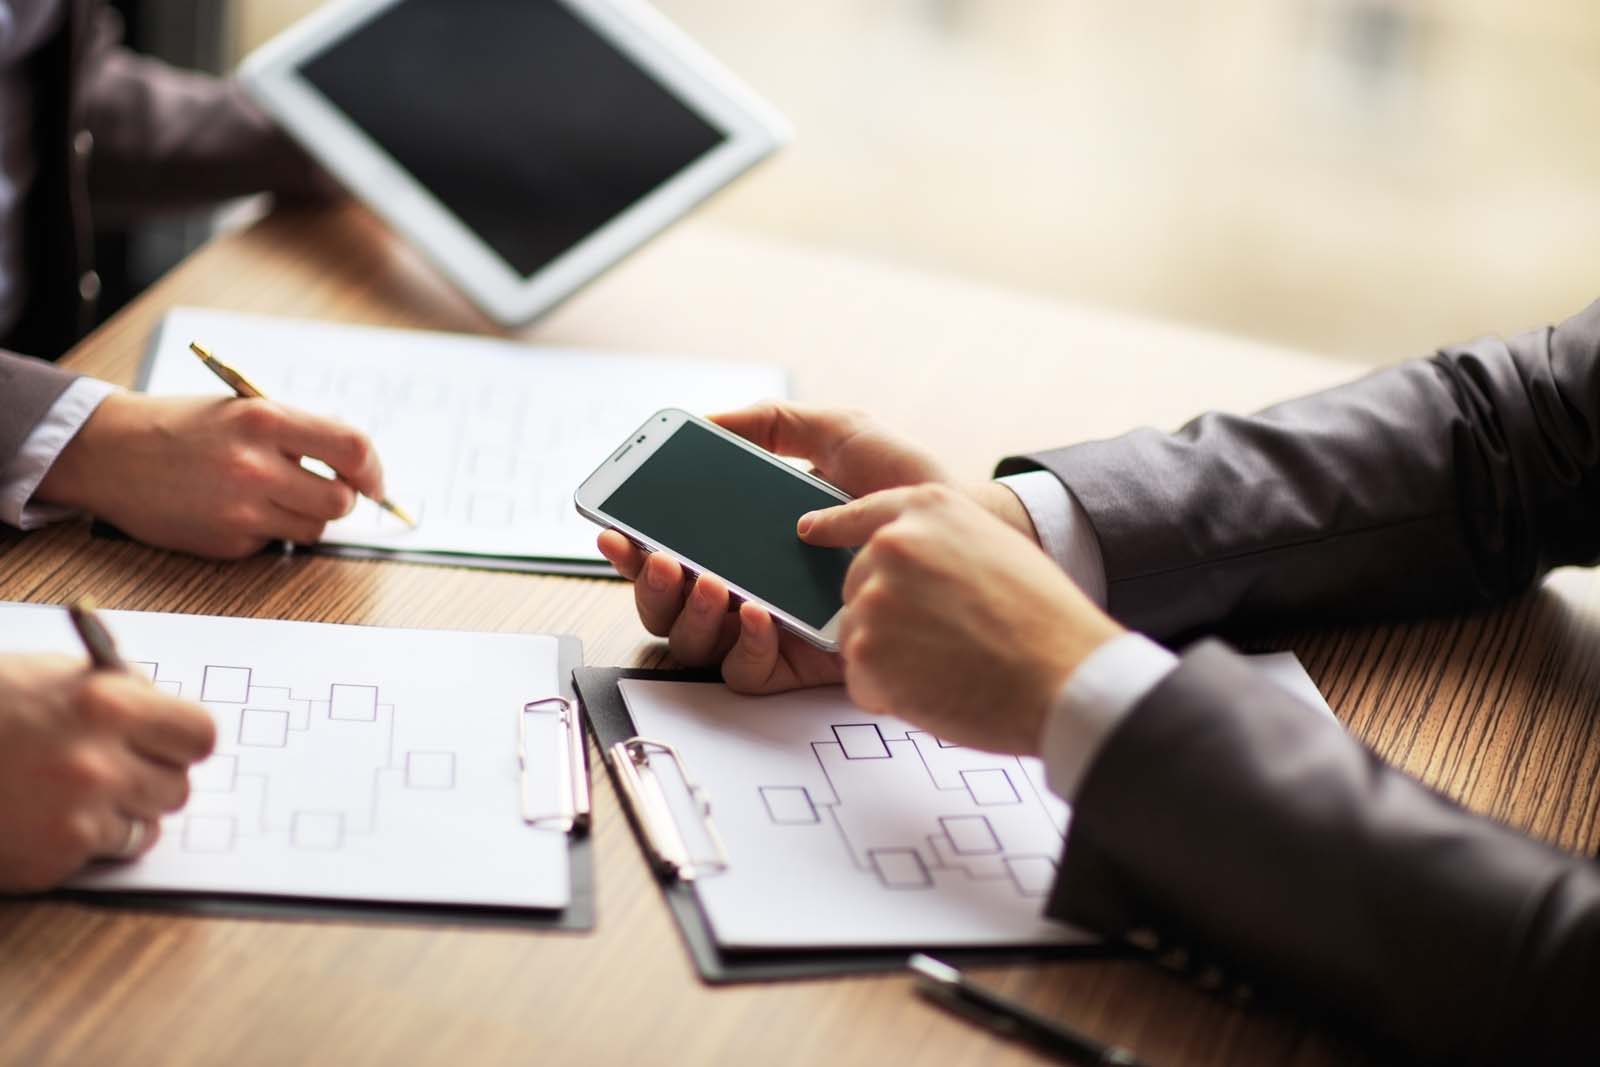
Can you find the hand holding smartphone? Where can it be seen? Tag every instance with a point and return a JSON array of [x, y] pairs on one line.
[[721, 505]]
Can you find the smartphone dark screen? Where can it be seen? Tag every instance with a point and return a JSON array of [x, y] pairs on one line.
[[734, 514]]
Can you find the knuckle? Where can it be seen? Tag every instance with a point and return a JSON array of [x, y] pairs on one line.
[[894, 542], [180, 794], [259, 418], [87, 772], [102, 700], [248, 469]]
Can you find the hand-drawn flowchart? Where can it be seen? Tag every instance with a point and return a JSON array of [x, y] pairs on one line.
[[991, 818], [262, 781]]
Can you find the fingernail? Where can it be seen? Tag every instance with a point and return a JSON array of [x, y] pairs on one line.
[[807, 520]]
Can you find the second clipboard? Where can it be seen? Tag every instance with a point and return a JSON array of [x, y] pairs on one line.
[[679, 859]]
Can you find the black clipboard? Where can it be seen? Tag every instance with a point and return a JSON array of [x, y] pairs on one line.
[[611, 724], [572, 568], [577, 917]]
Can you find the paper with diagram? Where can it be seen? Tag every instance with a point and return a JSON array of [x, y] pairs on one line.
[[483, 440], [352, 762], [848, 830]]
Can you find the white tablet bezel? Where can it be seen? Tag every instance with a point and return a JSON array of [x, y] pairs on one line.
[[643, 443], [753, 131]]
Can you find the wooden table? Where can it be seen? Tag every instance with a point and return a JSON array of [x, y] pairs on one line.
[[1496, 709]]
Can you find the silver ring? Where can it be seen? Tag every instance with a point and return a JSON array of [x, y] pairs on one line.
[[138, 830]]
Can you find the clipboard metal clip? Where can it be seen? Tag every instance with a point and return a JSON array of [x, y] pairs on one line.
[[669, 852], [572, 768]]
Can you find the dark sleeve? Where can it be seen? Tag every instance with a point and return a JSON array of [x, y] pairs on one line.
[[1275, 843], [1440, 484], [28, 388], [166, 139]]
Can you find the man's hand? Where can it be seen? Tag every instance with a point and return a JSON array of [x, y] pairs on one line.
[[953, 620], [845, 449], [216, 478], [83, 757]]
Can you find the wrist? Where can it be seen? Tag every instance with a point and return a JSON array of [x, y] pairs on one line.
[[72, 480], [1006, 506], [1079, 646]]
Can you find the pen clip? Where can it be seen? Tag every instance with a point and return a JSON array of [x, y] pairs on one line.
[[572, 767], [641, 790]]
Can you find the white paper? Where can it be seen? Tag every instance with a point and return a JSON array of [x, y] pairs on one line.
[[484, 441], [845, 829], [352, 762]]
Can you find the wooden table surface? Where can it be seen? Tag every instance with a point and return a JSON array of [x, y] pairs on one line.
[[1496, 709]]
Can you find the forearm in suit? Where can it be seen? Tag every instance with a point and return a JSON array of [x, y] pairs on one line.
[[1439, 484], [28, 388], [166, 139], [1240, 827]]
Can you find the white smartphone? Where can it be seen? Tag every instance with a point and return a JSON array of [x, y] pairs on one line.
[[720, 505]]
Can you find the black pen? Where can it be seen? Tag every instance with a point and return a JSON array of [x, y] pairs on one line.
[[947, 987], [96, 638]]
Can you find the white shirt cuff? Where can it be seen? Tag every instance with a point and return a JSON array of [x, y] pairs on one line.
[[21, 477], [1065, 531], [1093, 701]]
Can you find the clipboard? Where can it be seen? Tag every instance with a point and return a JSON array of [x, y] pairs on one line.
[[676, 868], [577, 917], [582, 566]]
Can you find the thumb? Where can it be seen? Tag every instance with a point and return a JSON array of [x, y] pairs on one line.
[[852, 524], [750, 665]]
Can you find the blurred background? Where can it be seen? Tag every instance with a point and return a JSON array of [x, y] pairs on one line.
[[1367, 179]]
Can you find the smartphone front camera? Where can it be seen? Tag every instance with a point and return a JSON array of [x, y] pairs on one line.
[[641, 441]]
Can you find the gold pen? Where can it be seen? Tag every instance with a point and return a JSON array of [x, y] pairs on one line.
[[248, 390]]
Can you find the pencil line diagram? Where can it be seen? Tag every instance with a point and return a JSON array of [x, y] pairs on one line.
[[993, 818], [310, 771]]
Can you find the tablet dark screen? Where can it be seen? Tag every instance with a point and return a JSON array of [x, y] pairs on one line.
[[523, 121]]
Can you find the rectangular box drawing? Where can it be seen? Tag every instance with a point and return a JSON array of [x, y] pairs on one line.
[[215, 775], [172, 689], [862, 741], [353, 703], [225, 685], [970, 835], [990, 787], [317, 830], [208, 833], [259, 728], [143, 669], [430, 770], [789, 805], [1034, 875], [900, 868]]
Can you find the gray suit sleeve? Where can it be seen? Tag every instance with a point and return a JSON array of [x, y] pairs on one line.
[[28, 388], [1440, 484], [1275, 844], [168, 139]]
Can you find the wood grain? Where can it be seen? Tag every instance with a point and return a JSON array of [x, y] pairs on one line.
[[1497, 709]]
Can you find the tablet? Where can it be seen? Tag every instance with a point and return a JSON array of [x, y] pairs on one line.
[[523, 146]]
